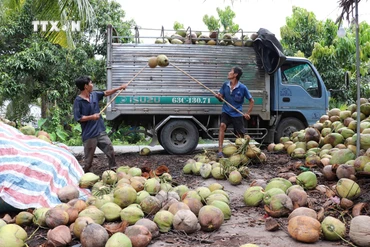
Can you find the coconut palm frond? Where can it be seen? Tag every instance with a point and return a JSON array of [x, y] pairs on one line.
[[63, 11], [347, 7]]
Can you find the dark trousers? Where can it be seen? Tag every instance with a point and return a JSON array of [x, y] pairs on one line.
[[104, 144]]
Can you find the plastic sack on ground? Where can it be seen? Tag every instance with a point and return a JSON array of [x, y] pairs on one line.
[[32, 170]]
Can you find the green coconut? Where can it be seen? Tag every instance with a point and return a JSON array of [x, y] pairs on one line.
[[279, 147], [191, 194], [333, 229], [360, 162], [334, 139], [134, 171], [280, 183], [94, 213], [123, 169], [12, 236], [23, 218], [109, 177], [28, 130], [141, 195], [347, 188], [229, 150], [307, 180], [203, 192], [88, 179], [162, 60], [164, 220], [235, 177], [152, 185], [124, 196], [3, 223], [217, 197], [253, 196], [215, 186], [14, 230], [271, 192], [299, 153], [131, 215], [111, 211], [181, 189], [196, 168], [205, 170], [218, 173], [39, 216], [144, 151], [150, 205], [187, 169], [119, 239], [166, 187], [225, 208]]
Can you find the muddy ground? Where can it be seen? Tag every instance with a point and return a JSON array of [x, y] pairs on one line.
[[247, 224]]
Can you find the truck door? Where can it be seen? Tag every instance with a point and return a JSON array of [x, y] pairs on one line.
[[301, 90]]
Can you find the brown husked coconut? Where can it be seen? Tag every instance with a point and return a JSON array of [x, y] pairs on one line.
[[177, 206], [152, 227], [94, 235], [139, 235], [303, 211], [78, 204], [72, 214], [312, 134], [304, 229], [185, 220], [56, 217], [359, 231], [194, 204], [210, 218], [298, 197], [59, 236], [68, 193]]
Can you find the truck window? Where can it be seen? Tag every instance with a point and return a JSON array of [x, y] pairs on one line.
[[301, 74]]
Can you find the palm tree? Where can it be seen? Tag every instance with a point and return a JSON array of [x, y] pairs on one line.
[[61, 11]]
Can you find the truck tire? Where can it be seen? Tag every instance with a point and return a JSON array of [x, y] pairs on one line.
[[179, 137], [287, 126]]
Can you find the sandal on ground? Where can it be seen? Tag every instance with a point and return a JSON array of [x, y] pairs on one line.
[[220, 155]]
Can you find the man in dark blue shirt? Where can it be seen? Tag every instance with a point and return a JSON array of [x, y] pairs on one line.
[[86, 111], [234, 92]]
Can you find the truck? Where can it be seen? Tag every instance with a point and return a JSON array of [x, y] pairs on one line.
[[176, 105]]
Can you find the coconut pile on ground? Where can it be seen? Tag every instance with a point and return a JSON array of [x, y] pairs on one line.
[[327, 148], [234, 167], [127, 207]]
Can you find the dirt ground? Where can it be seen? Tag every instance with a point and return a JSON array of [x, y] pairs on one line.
[[247, 224]]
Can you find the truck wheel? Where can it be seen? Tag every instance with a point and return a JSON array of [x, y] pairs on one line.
[[287, 126], [179, 137]]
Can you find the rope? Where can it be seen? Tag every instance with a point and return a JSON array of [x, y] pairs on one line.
[[206, 88], [122, 89]]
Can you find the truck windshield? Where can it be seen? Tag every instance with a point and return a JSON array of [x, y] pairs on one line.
[[301, 74]]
